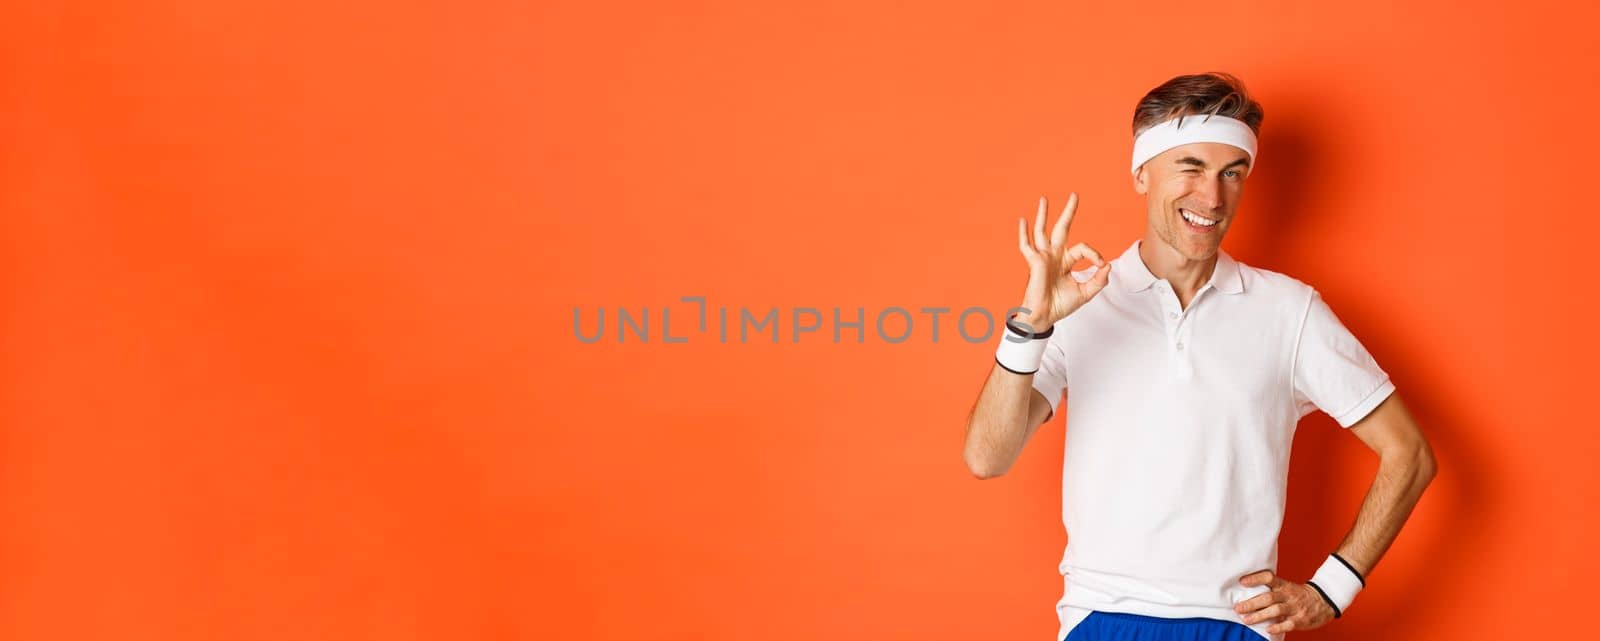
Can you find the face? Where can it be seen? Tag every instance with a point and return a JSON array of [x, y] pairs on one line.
[[1204, 179]]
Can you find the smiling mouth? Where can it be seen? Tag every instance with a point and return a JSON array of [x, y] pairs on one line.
[[1197, 222]]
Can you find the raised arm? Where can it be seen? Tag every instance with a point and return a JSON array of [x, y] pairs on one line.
[[1006, 415], [1009, 409]]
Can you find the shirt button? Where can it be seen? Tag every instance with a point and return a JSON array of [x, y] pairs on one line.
[[1173, 315], [1180, 346]]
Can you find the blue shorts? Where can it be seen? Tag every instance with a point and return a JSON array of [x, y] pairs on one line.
[[1121, 626]]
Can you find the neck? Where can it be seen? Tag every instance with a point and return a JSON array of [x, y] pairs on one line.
[[1186, 275]]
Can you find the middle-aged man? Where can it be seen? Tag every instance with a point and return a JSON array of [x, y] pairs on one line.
[[1188, 372]]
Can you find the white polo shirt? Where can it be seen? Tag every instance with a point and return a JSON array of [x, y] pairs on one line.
[[1178, 432]]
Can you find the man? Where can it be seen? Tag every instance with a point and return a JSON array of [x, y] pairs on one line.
[[1187, 373]]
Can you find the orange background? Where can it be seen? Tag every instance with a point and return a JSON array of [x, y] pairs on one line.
[[289, 346]]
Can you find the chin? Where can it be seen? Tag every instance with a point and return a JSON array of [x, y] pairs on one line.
[[1196, 250]]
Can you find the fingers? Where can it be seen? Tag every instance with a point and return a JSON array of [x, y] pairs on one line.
[[1099, 280], [1081, 251], [1256, 602], [1284, 608], [1274, 611], [1101, 276], [1058, 235], [1067, 213], [1264, 577], [1042, 245], [1036, 258], [1281, 626], [1039, 241]]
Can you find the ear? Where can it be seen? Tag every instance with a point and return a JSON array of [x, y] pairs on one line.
[[1141, 179]]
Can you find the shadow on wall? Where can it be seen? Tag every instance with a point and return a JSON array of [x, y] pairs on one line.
[[1327, 463]]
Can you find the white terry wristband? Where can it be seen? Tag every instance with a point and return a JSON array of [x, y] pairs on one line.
[[1021, 352], [1338, 582]]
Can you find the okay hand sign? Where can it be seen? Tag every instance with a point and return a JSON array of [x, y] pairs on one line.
[[1052, 292]]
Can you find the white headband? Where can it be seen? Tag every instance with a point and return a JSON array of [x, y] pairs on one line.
[[1196, 128]]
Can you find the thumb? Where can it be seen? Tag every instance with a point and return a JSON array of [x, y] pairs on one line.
[[1098, 281]]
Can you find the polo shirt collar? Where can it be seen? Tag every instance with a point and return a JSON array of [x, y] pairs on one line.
[[1130, 270]]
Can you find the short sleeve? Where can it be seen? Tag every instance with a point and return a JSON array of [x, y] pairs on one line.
[[1333, 372], [1051, 379]]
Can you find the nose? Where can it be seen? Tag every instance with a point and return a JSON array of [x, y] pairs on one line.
[[1208, 193]]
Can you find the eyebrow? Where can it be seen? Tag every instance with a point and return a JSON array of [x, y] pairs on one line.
[[1191, 160]]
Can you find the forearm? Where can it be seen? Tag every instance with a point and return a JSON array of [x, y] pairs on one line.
[[1395, 490], [1008, 409], [1000, 422]]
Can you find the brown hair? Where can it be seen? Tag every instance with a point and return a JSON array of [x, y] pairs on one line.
[[1214, 92]]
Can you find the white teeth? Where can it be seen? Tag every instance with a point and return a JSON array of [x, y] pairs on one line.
[[1203, 222]]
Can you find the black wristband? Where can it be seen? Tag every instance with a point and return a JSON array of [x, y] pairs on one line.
[[1351, 568], [1003, 366], [1030, 336], [1314, 586]]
